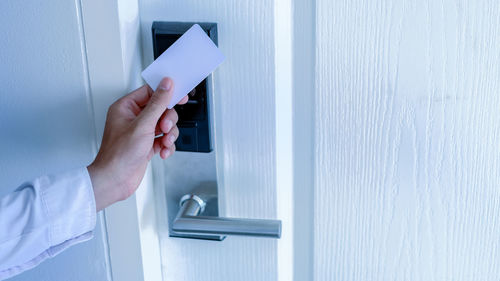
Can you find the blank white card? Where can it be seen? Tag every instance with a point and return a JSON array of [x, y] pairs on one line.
[[188, 61]]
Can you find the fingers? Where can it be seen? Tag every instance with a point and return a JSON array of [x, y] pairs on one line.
[[165, 145], [169, 139], [157, 103], [168, 121], [165, 152], [157, 146]]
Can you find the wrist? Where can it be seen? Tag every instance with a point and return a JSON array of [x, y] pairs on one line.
[[104, 193]]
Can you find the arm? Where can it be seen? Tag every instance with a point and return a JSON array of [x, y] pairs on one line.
[[43, 217]]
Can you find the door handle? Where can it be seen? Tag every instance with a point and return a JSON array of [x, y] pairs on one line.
[[189, 223]]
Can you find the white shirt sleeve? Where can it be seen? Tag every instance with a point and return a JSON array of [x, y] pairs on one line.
[[43, 217]]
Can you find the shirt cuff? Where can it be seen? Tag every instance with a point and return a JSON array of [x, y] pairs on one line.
[[69, 203], [55, 213]]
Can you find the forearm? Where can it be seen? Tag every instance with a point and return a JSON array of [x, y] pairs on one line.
[[43, 217]]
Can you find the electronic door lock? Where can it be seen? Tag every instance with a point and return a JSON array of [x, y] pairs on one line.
[[194, 123]]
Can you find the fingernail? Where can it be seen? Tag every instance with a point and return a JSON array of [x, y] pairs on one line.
[[170, 124], [165, 84], [171, 139]]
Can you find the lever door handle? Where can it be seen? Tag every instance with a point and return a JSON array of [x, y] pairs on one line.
[[190, 222]]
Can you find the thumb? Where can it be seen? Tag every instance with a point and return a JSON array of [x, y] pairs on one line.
[[158, 102]]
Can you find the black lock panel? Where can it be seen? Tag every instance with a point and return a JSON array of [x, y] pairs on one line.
[[194, 123]]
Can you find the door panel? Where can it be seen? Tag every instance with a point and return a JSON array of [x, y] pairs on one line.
[[407, 140], [244, 114]]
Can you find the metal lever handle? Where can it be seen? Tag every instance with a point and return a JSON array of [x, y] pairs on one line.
[[189, 221]]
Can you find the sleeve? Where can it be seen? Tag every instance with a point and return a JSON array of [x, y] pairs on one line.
[[43, 217]]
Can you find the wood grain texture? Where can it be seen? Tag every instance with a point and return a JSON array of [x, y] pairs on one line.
[[245, 139], [407, 140]]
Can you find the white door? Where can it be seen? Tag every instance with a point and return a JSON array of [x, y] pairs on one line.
[[247, 146]]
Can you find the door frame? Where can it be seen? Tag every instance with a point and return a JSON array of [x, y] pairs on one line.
[[113, 51]]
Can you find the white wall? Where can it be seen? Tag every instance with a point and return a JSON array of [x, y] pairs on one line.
[[407, 140], [46, 121]]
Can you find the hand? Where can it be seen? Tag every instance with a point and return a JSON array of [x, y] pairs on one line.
[[129, 141]]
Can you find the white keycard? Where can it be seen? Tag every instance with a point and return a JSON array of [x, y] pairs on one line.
[[188, 61]]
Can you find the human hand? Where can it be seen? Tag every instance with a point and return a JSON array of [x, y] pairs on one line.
[[129, 141]]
